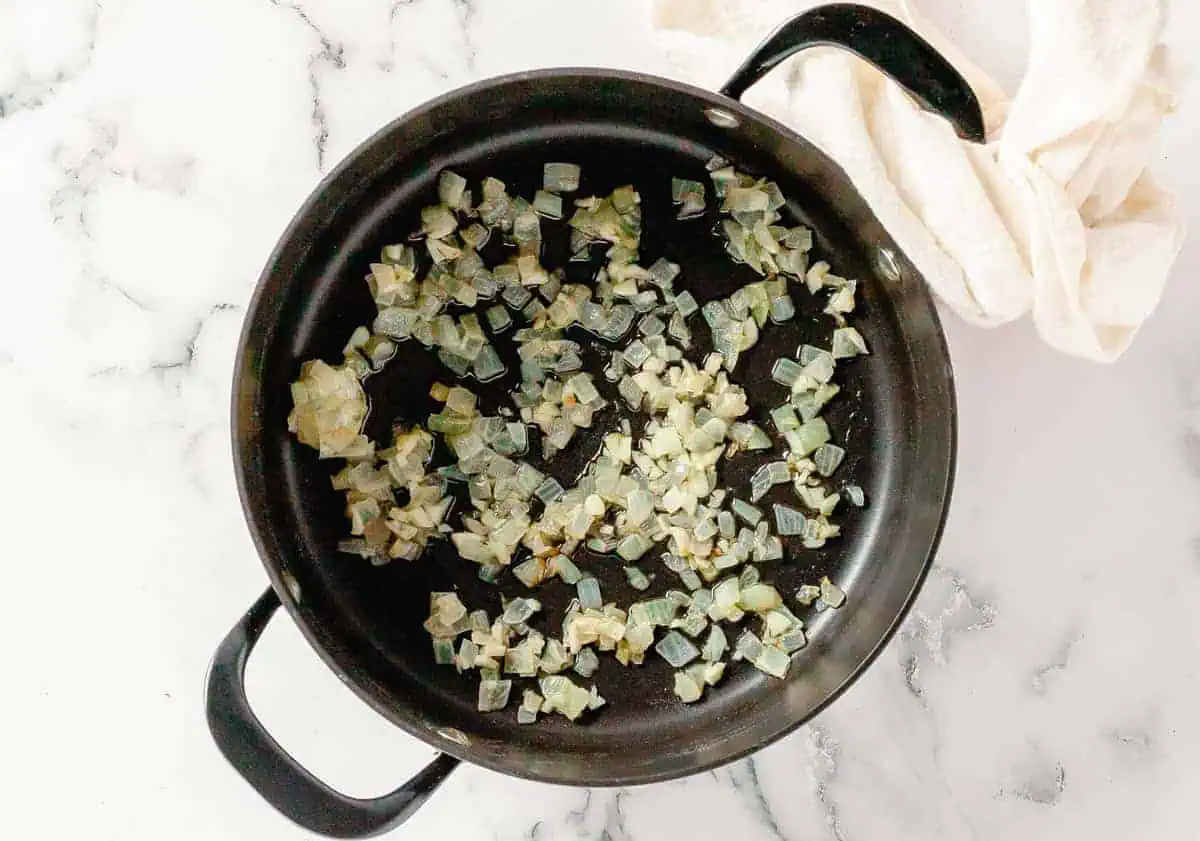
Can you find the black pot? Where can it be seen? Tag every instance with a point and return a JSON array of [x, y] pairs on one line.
[[897, 408]]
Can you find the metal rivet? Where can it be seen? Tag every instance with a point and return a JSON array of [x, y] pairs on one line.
[[293, 586], [454, 735], [885, 261], [721, 118]]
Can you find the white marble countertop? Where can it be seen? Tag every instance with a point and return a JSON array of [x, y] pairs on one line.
[[150, 155]]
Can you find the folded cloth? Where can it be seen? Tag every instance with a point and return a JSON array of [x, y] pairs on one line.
[[1057, 215]]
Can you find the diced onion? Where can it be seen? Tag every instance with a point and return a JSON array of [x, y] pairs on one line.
[[561, 177], [677, 649], [831, 594], [656, 486]]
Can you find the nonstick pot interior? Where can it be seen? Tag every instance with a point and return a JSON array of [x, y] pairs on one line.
[[895, 417]]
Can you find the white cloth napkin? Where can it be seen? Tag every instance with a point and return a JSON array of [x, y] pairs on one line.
[[1058, 215]]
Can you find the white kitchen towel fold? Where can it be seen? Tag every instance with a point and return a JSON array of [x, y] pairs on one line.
[[1057, 215]]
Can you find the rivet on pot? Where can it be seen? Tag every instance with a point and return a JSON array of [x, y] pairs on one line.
[[721, 118], [885, 261], [454, 735], [293, 586]]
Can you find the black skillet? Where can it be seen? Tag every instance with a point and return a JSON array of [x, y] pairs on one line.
[[896, 417]]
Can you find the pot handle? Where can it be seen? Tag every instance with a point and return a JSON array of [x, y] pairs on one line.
[[274, 774], [883, 41]]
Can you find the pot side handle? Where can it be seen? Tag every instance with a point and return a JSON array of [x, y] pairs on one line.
[[274, 774], [881, 40]]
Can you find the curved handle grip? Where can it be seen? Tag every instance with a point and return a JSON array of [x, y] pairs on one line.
[[274, 774], [884, 42]]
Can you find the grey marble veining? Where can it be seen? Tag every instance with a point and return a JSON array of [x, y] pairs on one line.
[[1044, 687]]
